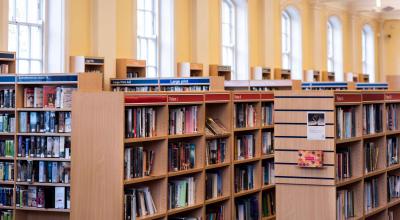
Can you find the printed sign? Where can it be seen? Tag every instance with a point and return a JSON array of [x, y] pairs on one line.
[[310, 159], [316, 126]]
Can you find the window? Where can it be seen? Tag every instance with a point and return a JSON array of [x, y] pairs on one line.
[[228, 35], [291, 42], [25, 34], [147, 34], [368, 52], [335, 47]]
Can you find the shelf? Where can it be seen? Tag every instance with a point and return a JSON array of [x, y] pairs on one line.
[[7, 158], [43, 184], [246, 129], [348, 140], [245, 192], [377, 135], [394, 202], [6, 207], [389, 132], [267, 126], [374, 173], [267, 156], [151, 217], [45, 134], [184, 209], [44, 159], [7, 134], [267, 187], [42, 209], [347, 181], [215, 200], [246, 160], [218, 165], [374, 211], [145, 139], [179, 136], [393, 167], [211, 137], [184, 172], [7, 109], [269, 217], [44, 109], [10, 182], [143, 179]]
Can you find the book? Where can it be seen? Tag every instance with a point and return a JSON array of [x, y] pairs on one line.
[[7, 98], [29, 97], [181, 192], [215, 212], [140, 122], [372, 118], [38, 97], [45, 122], [185, 88], [41, 197], [267, 110], [371, 156], [345, 204], [245, 115], [4, 68], [59, 197], [181, 156], [216, 127], [247, 208], [245, 146], [6, 196], [6, 215], [268, 203], [43, 147], [138, 162], [343, 158], [268, 171], [371, 194], [7, 148], [213, 184], [183, 120], [346, 122], [7, 171], [48, 96], [392, 118], [215, 151], [393, 182], [392, 150], [43, 171], [267, 142], [244, 177]]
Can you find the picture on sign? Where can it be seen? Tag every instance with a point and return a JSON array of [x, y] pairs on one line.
[[316, 126], [310, 159]]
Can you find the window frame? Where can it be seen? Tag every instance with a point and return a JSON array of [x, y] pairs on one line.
[[330, 47], [232, 47], [364, 50], [287, 39]]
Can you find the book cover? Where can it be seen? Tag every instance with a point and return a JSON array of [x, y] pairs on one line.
[[49, 96], [59, 197], [29, 97]]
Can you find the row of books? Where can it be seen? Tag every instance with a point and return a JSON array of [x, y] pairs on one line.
[[6, 215], [138, 203], [4, 69], [216, 151], [215, 213], [183, 120], [48, 97], [393, 187], [7, 123], [138, 162], [245, 115], [7, 148], [43, 197], [343, 158], [215, 127], [6, 196], [371, 156], [371, 194], [6, 171], [184, 88], [7, 98], [392, 119], [247, 208], [136, 89], [245, 147], [268, 171], [372, 118], [181, 156], [345, 204], [268, 203], [43, 172], [140, 122], [346, 122], [267, 142], [181, 193], [392, 150], [44, 147], [244, 177], [41, 122], [213, 184], [267, 116]]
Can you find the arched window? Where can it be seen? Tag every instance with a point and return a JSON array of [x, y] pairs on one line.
[[234, 39], [291, 42], [368, 52], [335, 47]]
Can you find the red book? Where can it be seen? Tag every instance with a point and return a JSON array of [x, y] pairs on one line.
[[49, 96], [29, 97]]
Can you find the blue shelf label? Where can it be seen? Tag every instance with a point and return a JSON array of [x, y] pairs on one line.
[[134, 82], [184, 81], [7, 79], [324, 84], [10, 56], [94, 61], [372, 85], [44, 78]]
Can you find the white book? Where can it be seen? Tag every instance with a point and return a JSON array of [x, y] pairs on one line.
[[62, 146], [56, 147], [59, 197], [241, 212], [149, 202], [42, 173]]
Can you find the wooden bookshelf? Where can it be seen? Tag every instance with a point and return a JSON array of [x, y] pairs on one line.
[[130, 68], [323, 184], [219, 70], [327, 76], [312, 76], [282, 74], [7, 62], [194, 70], [363, 78], [351, 77], [260, 73], [109, 134], [18, 83], [86, 64]]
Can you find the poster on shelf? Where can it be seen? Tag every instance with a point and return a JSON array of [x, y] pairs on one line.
[[316, 126]]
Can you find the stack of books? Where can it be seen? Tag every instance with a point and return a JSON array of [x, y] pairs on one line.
[[138, 162], [346, 122], [392, 150], [267, 110], [7, 123], [215, 127], [43, 197], [345, 204], [138, 203], [181, 156], [140, 122], [48, 97], [247, 208], [372, 118], [6, 196], [45, 122], [216, 151], [371, 195], [245, 115], [392, 120], [7, 148], [44, 147], [7, 98], [181, 193], [183, 120], [343, 158], [6, 171], [213, 184], [244, 177], [245, 147], [371, 157]]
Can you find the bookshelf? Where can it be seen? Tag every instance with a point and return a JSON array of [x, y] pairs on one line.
[[357, 127], [282, 74], [351, 77], [328, 76], [220, 70], [185, 69], [130, 68], [261, 73], [262, 85], [86, 64], [312, 76], [212, 156], [363, 78], [7, 62], [15, 105]]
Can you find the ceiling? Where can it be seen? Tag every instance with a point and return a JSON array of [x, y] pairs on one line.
[[368, 6]]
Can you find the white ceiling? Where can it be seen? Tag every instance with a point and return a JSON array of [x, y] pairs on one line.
[[367, 6]]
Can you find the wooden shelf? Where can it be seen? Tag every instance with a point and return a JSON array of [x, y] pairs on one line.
[[179, 136], [374, 173], [246, 192], [43, 159], [145, 139], [246, 129], [42, 209], [7, 158], [7, 109], [184, 172], [348, 140], [43, 109], [269, 217], [375, 211], [267, 156], [250, 160], [216, 200], [370, 136], [211, 137], [45, 134], [348, 181], [151, 217], [43, 184], [143, 179], [267, 187], [218, 165], [6, 207], [184, 209]]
